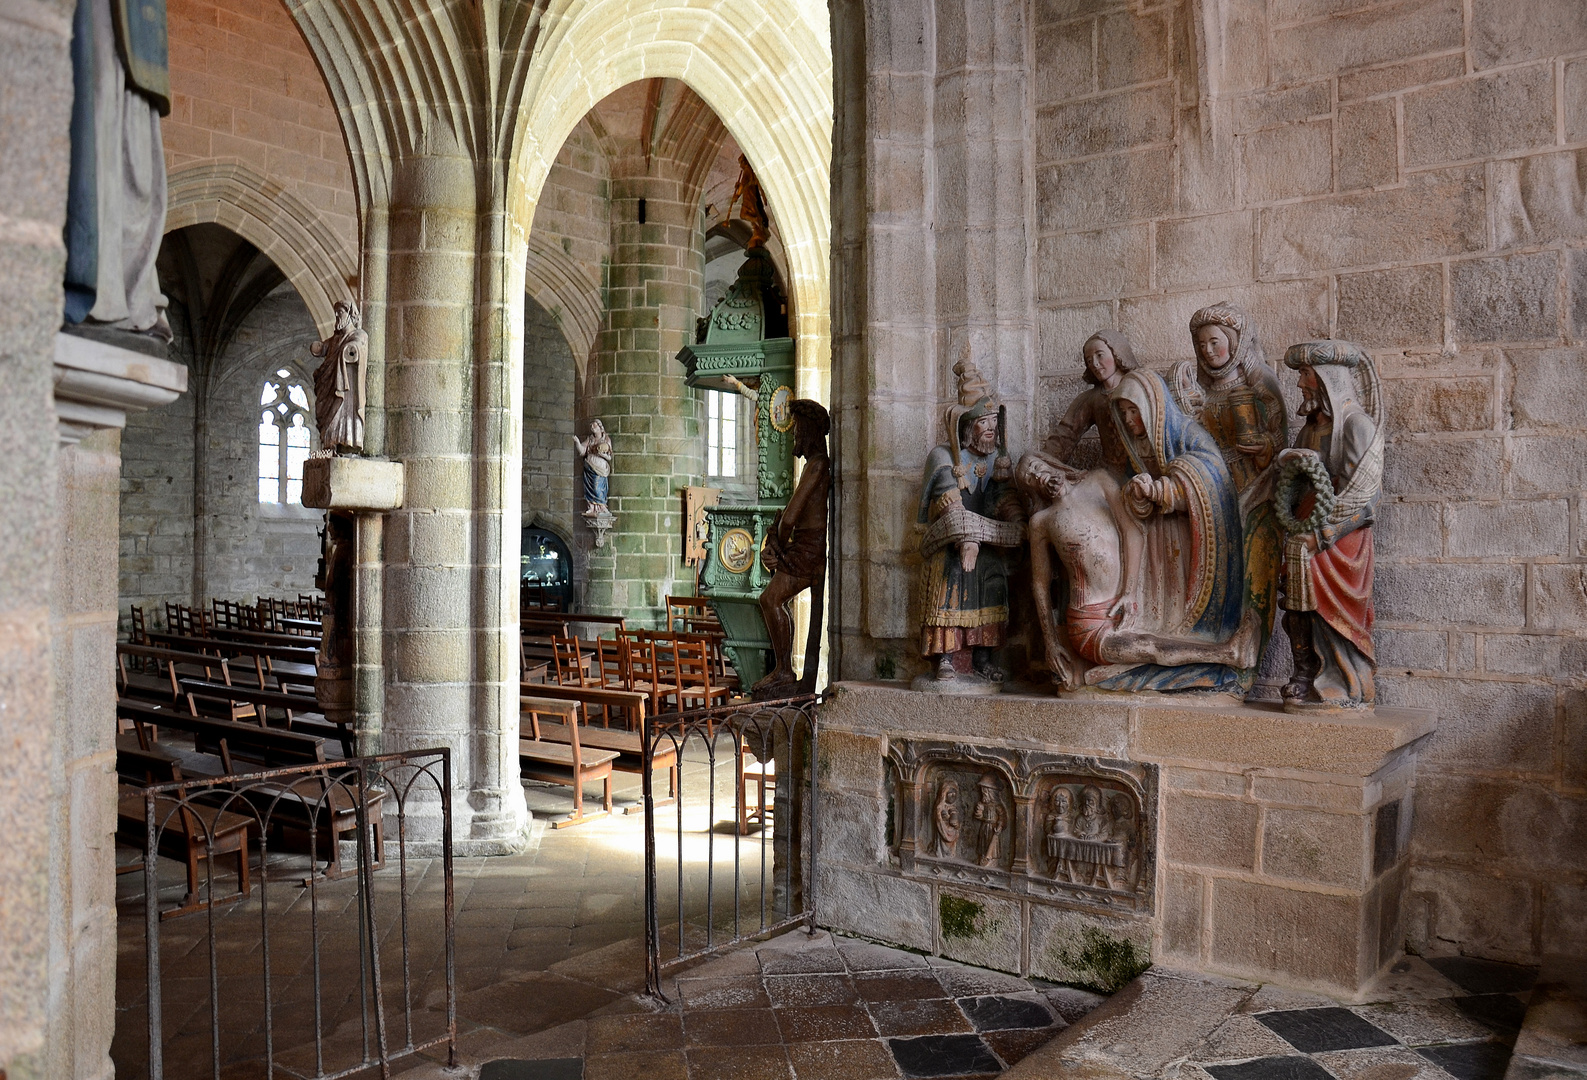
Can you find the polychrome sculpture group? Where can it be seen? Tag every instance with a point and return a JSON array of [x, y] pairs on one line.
[[1163, 567]]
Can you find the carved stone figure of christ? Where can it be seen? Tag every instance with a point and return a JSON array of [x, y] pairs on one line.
[[795, 552]]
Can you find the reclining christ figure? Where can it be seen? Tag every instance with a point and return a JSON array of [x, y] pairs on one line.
[[1155, 566]]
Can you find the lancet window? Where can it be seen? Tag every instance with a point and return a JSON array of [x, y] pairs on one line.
[[283, 438]]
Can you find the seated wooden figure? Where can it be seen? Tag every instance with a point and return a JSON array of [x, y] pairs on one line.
[[795, 551], [1325, 499]]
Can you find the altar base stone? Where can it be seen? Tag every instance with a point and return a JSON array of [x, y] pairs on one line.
[[1238, 841]]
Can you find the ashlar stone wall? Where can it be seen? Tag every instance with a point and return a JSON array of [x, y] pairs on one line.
[[231, 546], [552, 490], [1408, 175], [245, 90]]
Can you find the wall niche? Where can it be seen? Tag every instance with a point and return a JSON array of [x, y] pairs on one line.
[[1073, 831]]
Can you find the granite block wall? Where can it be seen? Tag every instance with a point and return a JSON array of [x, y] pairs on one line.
[[1408, 175], [230, 546], [552, 488], [245, 89]]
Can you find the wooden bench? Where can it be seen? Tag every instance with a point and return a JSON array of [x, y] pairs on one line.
[[632, 702], [560, 620], [164, 688], [265, 637], [227, 748], [188, 832], [264, 700], [568, 764], [290, 664], [630, 749]]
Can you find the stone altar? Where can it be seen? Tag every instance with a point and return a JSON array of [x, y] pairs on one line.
[[1239, 841]]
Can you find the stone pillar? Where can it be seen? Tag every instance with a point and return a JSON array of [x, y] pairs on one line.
[[34, 1015], [79, 799], [653, 298], [448, 630]]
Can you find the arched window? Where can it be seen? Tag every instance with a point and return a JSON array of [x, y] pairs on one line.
[[283, 439]]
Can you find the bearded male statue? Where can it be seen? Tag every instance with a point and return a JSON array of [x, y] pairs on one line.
[[339, 381], [972, 516], [1336, 470]]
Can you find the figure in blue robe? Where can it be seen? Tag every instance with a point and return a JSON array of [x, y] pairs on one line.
[[1188, 584]]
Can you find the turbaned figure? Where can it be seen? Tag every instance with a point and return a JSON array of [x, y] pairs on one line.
[[972, 517], [1325, 498]]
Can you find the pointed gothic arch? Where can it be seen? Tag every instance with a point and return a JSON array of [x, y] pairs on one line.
[[276, 222]]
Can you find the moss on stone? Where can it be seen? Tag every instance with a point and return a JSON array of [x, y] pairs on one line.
[[958, 917], [1101, 962]]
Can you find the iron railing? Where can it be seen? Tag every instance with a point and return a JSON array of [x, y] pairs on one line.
[[780, 734], [319, 802]]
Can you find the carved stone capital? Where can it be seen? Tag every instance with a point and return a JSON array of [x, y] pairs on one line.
[[97, 384]]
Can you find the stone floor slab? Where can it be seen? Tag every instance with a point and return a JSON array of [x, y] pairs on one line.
[[943, 1055], [1314, 1030]]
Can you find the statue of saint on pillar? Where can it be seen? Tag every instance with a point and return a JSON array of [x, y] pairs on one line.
[[339, 381], [116, 194], [795, 551], [596, 452]]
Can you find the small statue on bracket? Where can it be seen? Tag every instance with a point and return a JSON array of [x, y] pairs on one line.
[[339, 382], [1325, 498], [795, 551], [596, 450], [751, 204]]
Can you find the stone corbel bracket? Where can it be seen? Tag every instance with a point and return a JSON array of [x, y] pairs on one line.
[[98, 384], [352, 483], [600, 524]]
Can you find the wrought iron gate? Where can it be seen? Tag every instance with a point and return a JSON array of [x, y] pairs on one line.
[[771, 745]]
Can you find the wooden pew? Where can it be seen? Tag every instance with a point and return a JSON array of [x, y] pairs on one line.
[[265, 637], [290, 664], [188, 832], [569, 763], [226, 748], [632, 702], [562, 619], [164, 688], [264, 700]]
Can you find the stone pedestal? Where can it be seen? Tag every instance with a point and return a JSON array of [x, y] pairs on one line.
[[1238, 841], [352, 483]]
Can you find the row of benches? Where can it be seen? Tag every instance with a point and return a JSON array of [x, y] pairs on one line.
[[212, 825]]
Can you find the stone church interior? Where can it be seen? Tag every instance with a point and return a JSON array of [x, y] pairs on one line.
[[776, 539]]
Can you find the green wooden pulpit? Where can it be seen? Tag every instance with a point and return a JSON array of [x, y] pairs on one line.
[[745, 338]]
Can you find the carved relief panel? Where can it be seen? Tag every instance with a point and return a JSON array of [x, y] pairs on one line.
[[1070, 829]]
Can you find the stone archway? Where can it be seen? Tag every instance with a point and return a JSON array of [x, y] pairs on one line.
[[764, 68], [288, 232]]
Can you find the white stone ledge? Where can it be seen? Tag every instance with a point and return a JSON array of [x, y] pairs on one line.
[[352, 483], [97, 385]]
